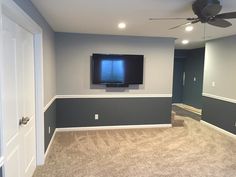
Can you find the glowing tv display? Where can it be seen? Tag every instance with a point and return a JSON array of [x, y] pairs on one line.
[[117, 70]]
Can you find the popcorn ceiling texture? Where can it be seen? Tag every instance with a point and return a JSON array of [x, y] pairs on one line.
[[190, 151]]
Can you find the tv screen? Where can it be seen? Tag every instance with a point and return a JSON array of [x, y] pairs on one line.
[[117, 69]]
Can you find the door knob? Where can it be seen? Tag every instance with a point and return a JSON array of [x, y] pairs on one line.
[[24, 120]]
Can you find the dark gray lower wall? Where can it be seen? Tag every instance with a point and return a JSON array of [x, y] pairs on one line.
[[1, 172], [219, 113], [80, 112], [49, 121], [178, 80]]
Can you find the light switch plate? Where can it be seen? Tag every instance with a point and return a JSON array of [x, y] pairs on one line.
[[213, 84]]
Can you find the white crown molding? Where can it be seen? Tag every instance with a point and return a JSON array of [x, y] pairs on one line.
[[117, 96], [219, 97], [118, 127], [49, 103], [219, 129]]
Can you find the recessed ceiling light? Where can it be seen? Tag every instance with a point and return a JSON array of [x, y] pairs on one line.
[[185, 42], [189, 28], [122, 25]]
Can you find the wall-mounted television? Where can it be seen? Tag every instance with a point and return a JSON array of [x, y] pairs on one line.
[[115, 70]]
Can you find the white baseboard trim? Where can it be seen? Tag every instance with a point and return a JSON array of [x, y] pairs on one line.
[[113, 127], [49, 145], [219, 129], [219, 97], [49, 103], [1, 161]]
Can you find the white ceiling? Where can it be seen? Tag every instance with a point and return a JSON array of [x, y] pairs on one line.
[[102, 17]]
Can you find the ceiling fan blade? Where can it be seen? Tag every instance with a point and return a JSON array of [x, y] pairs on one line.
[[228, 15], [189, 23], [195, 21], [185, 24], [219, 23], [167, 18], [189, 19], [211, 10]]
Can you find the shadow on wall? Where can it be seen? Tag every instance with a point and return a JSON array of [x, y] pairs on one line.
[[115, 89]]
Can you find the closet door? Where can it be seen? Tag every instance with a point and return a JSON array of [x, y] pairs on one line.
[[18, 100]]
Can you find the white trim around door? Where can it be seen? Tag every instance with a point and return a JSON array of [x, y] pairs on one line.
[[10, 9], [1, 116], [1, 161]]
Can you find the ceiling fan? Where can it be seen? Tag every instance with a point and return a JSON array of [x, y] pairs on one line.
[[207, 11]]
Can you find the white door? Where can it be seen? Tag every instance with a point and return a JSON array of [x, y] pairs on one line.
[[18, 100]]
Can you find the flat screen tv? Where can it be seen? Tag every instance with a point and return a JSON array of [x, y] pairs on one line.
[[117, 70]]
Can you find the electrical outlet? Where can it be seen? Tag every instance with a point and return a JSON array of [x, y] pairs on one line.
[[96, 117], [49, 130]]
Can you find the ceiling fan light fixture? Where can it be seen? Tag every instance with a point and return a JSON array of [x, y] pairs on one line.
[[122, 25], [189, 28], [185, 42]]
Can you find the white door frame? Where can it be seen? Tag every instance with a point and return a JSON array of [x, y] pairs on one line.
[[10, 9]]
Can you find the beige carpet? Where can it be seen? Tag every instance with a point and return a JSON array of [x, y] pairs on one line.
[[191, 151]]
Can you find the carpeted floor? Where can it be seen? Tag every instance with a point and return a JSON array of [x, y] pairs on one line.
[[191, 151]]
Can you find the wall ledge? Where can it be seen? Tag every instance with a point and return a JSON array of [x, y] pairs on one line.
[[219, 97], [116, 96], [107, 96], [49, 103]]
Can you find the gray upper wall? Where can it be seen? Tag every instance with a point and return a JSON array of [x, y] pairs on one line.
[[220, 67], [73, 55], [48, 49]]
